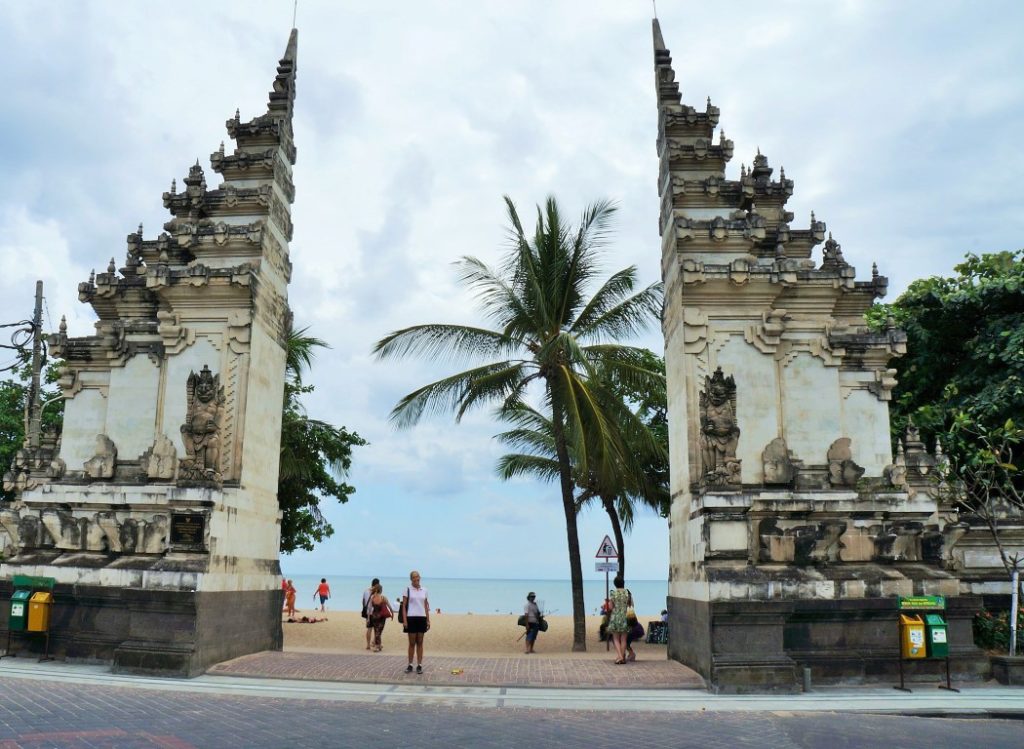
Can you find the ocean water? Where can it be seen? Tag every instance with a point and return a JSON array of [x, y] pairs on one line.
[[463, 596]]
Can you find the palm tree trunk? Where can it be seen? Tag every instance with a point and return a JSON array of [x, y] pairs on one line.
[[620, 542], [579, 621]]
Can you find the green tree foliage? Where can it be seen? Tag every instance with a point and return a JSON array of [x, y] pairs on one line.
[[550, 332], [962, 379], [13, 395], [314, 455], [965, 345]]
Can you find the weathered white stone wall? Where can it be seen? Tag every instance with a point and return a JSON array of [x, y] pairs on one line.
[[757, 401], [866, 423], [261, 447], [85, 416], [135, 389], [810, 407]]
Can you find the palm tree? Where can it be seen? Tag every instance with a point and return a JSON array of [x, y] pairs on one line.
[[619, 483], [548, 334]]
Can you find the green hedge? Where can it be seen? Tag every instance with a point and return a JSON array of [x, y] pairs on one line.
[[992, 630]]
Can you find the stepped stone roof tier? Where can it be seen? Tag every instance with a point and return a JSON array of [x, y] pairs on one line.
[[228, 238], [715, 228]]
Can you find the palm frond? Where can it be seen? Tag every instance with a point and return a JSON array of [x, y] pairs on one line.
[[448, 394], [444, 342]]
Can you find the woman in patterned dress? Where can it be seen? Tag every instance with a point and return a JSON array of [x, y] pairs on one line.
[[621, 599]]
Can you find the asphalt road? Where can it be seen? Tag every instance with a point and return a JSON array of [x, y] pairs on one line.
[[59, 715]]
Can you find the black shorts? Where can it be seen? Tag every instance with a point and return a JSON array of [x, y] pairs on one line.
[[415, 625]]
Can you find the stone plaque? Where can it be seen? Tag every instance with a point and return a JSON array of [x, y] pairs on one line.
[[188, 530]]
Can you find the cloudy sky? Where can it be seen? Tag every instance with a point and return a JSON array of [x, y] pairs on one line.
[[900, 123]]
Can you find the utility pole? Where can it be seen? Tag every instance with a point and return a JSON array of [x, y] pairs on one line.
[[34, 401]]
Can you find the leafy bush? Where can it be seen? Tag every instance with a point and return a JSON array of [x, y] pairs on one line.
[[992, 630]]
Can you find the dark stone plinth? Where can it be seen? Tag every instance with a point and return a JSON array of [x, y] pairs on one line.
[[763, 646], [1008, 669], [736, 649], [161, 632]]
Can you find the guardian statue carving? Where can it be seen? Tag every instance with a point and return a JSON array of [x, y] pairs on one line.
[[719, 434], [201, 430]]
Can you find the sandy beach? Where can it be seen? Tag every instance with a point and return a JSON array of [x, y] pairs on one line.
[[485, 635]]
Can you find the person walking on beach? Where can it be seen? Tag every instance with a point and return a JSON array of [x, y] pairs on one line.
[[532, 613], [366, 610], [618, 626], [416, 615], [323, 590], [379, 611], [289, 599]]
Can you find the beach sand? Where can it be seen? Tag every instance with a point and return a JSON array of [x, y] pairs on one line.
[[483, 635]]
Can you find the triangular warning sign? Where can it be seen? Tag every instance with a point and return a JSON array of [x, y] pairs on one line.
[[606, 550]]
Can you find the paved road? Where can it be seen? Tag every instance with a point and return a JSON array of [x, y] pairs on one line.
[[38, 714]]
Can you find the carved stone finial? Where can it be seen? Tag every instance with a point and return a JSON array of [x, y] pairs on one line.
[[221, 149], [874, 270], [140, 230], [238, 115], [160, 461], [719, 431], [743, 171], [101, 465], [709, 103], [813, 220], [777, 463], [782, 174], [63, 328], [112, 266], [721, 136], [92, 277], [842, 471], [832, 254], [174, 186], [201, 431]]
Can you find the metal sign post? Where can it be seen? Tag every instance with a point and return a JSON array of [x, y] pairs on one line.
[[607, 551]]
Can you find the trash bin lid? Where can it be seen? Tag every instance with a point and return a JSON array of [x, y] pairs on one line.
[[910, 619], [21, 595], [43, 596], [934, 619]]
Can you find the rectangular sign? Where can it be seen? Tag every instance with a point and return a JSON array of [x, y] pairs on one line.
[[909, 603], [188, 529], [606, 566]]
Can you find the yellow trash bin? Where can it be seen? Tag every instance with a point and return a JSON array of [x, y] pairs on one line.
[[39, 611], [912, 643]]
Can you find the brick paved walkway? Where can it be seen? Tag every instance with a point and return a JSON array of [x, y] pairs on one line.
[[378, 668]]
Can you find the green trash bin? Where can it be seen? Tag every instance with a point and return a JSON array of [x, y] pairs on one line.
[[936, 636], [19, 610]]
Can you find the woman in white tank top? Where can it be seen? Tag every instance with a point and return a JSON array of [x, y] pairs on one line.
[[416, 615]]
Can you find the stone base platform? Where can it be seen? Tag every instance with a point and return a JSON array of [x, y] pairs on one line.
[[752, 646], [158, 632]]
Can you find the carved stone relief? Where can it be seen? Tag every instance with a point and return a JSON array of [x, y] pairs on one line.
[[777, 463], [101, 465], [842, 471], [201, 430], [160, 461], [719, 432]]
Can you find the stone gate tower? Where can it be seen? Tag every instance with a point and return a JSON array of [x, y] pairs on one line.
[[792, 529], [157, 512]]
